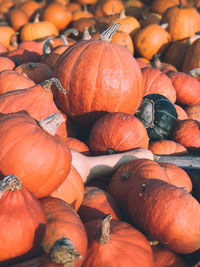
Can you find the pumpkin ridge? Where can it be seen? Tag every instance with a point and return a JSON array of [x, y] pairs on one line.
[[118, 55], [151, 81], [88, 44]]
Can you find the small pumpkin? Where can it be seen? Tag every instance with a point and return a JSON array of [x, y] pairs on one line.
[[187, 133], [17, 18], [78, 145], [6, 64], [193, 112], [181, 113], [25, 225], [192, 58], [158, 115], [167, 147], [117, 132]]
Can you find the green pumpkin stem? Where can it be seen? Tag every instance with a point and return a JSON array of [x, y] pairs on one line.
[[51, 123], [103, 235], [47, 46], [181, 5], [10, 183], [64, 252], [122, 14], [86, 34], [156, 61], [47, 84], [108, 34]]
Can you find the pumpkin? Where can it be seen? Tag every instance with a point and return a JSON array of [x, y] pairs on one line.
[[124, 39], [6, 33], [117, 132], [187, 133], [42, 167], [3, 49], [149, 18], [96, 204], [161, 65], [37, 100], [150, 40], [179, 229], [78, 145], [159, 6], [35, 47], [193, 112], [165, 257], [81, 13], [91, 168], [71, 190], [183, 22], [86, 2], [58, 14], [181, 113], [177, 176], [65, 224], [25, 225], [157, 82], [17, 18], [37, 29], [158, 115], [6, 64], [109, 237], [187, 88], [109, 76], [195, 73], [133, 8], [167, 147], [30, 7], [36, 71], [192, 58], [108, 7], [11, 80]]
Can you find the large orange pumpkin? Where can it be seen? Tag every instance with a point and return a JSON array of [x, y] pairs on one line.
[[34, 152], [113, 81]]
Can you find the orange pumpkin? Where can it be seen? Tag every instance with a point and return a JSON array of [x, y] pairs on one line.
[[17, 18], [192, 58], [110, 79], [78, 145], [25, 225], [167, 147], [117, 132], [71, 190], [6, 33], [6, 64], [36, 152], [182, 115], [193, 112], [64, 224]]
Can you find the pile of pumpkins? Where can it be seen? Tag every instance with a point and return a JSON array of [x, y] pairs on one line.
[[91, 94]]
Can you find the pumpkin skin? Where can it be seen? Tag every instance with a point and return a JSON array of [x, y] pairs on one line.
[[166, 213], [181, 114], [107, 238], [37, 100], [109, 76], [177, 176], [193, 112], [187, 88], [117, 132], [165, 257], [64, 222], [78, 145], [96, 204], [6, 64], [17, 18], [157, 82], [167, 147], [11, 80], [187, 133], [158, 115], [25, 225], [40, 157], [71, 190], [21, 55], [6, 33]]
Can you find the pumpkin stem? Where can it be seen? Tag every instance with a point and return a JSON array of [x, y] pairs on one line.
[[122, 14], [47, 84], [10, 183], [13, 39], [31, 65], [85, 9], [156, 63], [37, 18], [181, 5], [86, 34], [164, 25], [144, 17], [69, 31], [125, 176], [51, 123], [108, 34], [110, 151], [64, 252], [47, 46], [103, 235], [195, 73]]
